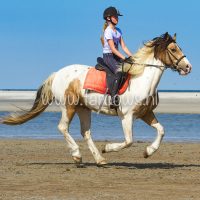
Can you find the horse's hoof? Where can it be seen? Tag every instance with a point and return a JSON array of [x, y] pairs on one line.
[[103, 151], [145, 154], [77, 160], [103, 164], [80, 165]]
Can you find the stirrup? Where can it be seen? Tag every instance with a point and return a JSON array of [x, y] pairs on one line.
[[115, 102], [113, 106]]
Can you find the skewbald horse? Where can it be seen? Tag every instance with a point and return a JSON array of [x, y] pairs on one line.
[[66, 88]]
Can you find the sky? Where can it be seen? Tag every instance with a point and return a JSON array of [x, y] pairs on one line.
[[38, 37]]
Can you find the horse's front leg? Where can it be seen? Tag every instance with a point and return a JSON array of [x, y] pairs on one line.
[[151, 120], [127, 122]]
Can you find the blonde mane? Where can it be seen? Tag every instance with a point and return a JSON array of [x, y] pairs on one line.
[[139, 57], [152, 49]]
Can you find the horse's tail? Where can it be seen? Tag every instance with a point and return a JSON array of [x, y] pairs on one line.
[[43, 98]]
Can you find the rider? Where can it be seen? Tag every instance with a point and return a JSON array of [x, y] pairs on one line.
[[112, 37]]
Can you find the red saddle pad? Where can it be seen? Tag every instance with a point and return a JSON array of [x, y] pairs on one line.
[[96, 80]]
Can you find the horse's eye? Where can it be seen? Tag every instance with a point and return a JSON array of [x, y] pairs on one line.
[[173, 50]]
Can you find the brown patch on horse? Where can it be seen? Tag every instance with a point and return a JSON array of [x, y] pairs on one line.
[[73, 98], [149, 118], [146, 106], [160, 45]]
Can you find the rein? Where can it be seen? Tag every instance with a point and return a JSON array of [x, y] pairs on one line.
[[149, 65], [145, 65], [178, 60]]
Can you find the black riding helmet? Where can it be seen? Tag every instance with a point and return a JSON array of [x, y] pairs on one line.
[[111, 11]]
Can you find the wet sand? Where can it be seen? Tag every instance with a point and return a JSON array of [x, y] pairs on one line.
[[43, 169]]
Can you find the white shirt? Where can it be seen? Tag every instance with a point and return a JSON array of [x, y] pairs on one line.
[[110, 34]]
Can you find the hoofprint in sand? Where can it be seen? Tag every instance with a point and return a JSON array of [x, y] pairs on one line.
[[43, 169]]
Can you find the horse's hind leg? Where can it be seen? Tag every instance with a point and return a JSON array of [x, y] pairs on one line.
[[85, 121], [151, 120], [67, 115]]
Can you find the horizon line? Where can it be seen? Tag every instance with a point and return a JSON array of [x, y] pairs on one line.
[[161, 90]]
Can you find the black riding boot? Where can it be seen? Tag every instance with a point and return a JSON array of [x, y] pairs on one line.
[[115, 100]]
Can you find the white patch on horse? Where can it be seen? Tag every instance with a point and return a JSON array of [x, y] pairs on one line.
[[156, 144]]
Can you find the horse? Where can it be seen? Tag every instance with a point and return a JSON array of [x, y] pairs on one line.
[[65, 87]]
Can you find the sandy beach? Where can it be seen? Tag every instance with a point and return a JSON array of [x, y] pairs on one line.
[[170, 102], [43, 169]]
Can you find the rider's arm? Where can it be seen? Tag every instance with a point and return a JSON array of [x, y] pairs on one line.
[[124, 47], [114, 50]]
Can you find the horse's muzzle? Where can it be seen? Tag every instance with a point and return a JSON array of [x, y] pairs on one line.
[[185, 71]]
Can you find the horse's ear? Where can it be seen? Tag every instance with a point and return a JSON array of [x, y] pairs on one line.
[[166, 36], [174, 37]]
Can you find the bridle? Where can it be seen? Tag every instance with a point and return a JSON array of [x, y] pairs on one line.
[[178, 60]]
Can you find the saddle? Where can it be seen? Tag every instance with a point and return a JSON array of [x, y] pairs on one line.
[[100, 79]]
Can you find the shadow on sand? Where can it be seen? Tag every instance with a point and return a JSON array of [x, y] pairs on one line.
[[121, 165]]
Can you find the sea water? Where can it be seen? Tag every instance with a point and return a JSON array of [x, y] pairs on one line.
[[178, 128]]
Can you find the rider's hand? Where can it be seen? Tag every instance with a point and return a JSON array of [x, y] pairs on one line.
[[129, 60]]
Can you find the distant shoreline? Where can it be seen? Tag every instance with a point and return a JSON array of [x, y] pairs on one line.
[[23, 90], [180, 101]]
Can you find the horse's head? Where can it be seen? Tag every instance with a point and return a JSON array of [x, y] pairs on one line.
[[170, 54]]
